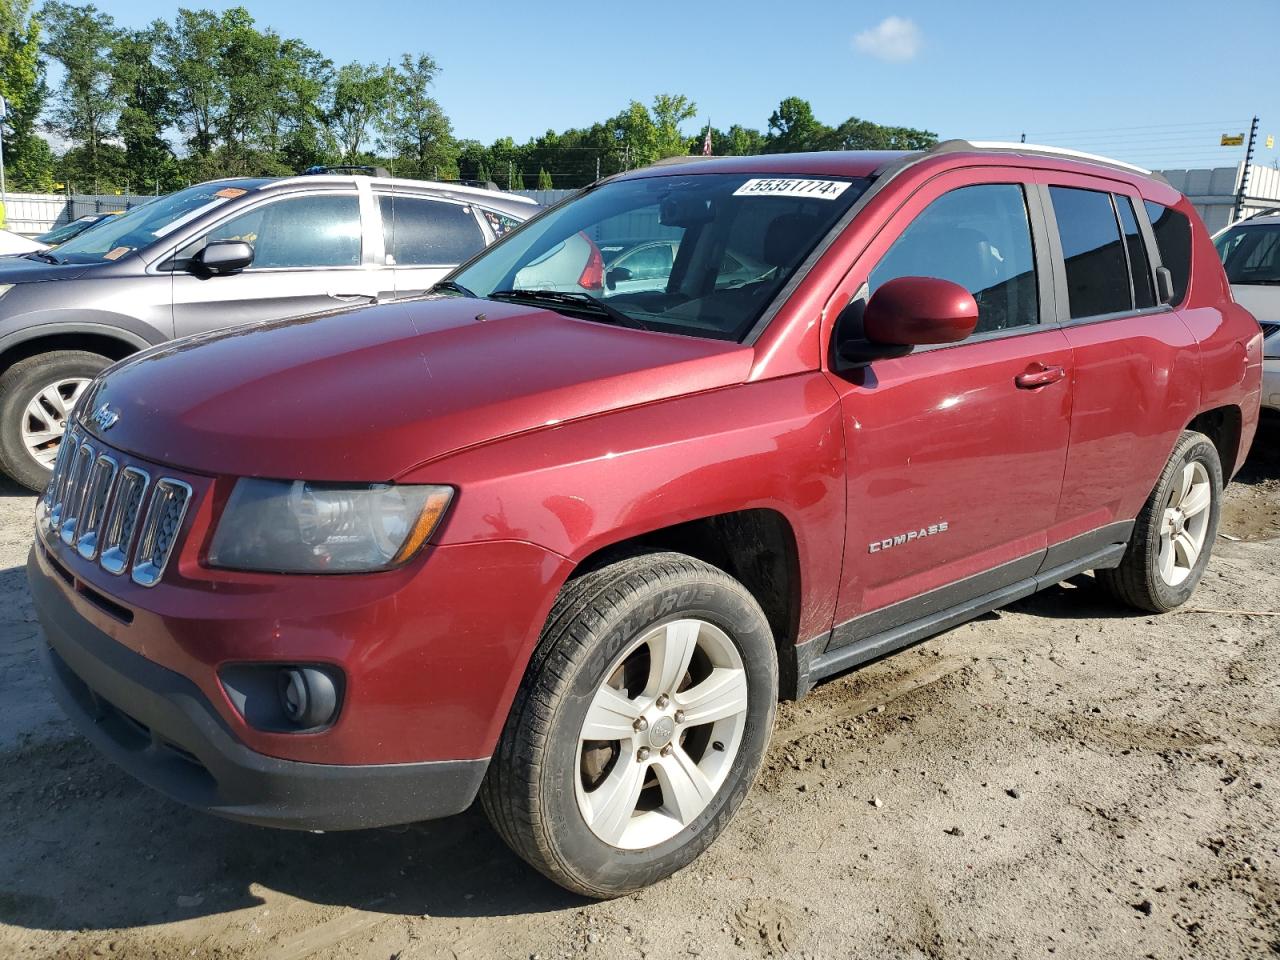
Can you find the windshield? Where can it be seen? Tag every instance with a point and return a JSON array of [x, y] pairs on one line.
[[1251, 254], [696, 254], [143, 225]]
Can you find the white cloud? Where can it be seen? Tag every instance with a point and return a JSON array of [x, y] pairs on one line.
[[893, 38]]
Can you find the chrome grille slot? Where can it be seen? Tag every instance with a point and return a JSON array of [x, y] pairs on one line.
[[122, 521], [159, 530], [97, 495], [58, 482], [74, 497]]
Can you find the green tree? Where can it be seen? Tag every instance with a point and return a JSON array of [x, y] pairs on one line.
[[544, 180], [517, 182], [82, 40], [361, 96], [299, 81], [146, 109], [415, 129], [28, 159], [793, 128], [667, 113]]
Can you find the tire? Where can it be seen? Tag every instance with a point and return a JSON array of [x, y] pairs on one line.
[[1145, 578], [61, 375], [606, 628]]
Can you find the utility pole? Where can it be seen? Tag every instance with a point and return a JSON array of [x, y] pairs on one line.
[[1244, 173], [597, 166]]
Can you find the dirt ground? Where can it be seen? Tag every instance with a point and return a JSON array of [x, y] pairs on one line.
[[1057, 779]]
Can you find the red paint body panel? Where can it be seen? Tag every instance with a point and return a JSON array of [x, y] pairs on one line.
[[564, 436]]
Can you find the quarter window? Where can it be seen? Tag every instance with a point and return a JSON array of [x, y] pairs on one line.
[[316, 231], [1173, 239], [1143, 293], [419, 232], [1097, 272], [980, 238]]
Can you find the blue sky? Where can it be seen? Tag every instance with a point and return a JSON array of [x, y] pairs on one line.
[[1156, 83]]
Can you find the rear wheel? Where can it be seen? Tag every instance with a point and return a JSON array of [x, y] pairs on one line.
[[36, 398], [639, 726], [1173, 535]]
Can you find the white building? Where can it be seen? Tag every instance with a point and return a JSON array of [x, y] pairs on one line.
[[1214, 191]]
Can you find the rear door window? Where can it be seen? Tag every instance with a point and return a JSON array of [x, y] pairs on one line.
[[980, 238], [1097, 271], [1173, 238], [1144, 294], [417, 231]]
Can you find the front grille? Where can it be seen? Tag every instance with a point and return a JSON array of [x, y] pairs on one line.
[[118, 517]]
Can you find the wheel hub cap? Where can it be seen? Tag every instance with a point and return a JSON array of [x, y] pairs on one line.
[[669, 717], [1185, 525]]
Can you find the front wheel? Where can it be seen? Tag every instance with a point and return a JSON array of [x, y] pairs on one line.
[[639, 727], [36, 398], [1173, 535]]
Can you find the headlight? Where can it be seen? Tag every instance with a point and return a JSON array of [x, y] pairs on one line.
[[280, 526]]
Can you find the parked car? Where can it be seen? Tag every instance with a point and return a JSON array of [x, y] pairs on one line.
[[76, 227], [15, 245], [211, 256], [639, 266], [566, 553], [1250, 251]]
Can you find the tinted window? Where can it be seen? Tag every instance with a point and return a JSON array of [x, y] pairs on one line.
[[1143, 292], [1173, 238], [1097, 273], [980, 238], [1251, 254], [317, 231], [418, 231]]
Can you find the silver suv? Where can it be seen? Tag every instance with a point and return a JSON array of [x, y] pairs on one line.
[[213, 255], [1250, 252]]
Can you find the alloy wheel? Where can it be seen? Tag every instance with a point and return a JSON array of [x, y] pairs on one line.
[[661, 734], [44, 420], [1184, 524]]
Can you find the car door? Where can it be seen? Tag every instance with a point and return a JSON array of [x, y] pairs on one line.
[[424, 238], [308, 257], [1134, 386], [955, 453]]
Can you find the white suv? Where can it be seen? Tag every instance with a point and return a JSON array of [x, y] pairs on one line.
[[1250, 252]]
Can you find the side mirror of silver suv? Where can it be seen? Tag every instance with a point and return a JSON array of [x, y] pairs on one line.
[[222, 257]]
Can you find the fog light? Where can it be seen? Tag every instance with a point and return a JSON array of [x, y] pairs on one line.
[[307, 696]]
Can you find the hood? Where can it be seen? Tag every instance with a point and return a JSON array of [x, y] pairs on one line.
[[1260, 299], [366, 395], [24, 270]]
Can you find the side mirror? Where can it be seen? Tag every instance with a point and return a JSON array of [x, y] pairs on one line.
[[908, 312], [1164, 285], [219, 257], [616, 276]]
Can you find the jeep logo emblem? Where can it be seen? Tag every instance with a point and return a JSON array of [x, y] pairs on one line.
[[104, 418]]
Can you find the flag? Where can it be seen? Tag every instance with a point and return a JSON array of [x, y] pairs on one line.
[[706, 141]]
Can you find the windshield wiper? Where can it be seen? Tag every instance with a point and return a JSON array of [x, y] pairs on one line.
[[578, 302], [44, 255], [449, 285]]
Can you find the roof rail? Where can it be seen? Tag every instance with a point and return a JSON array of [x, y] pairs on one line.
[[1036, 149]]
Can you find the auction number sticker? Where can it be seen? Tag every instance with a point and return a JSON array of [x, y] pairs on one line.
[[791, 187]]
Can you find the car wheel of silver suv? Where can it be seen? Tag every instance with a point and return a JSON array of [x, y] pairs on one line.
[[36, 398], [639, 727], [1173, 535]]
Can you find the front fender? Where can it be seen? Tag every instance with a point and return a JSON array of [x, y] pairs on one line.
[[576, 488]]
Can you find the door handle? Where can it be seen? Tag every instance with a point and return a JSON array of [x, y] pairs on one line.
[[1039, 375]]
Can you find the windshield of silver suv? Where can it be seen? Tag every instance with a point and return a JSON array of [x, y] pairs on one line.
[[1251, 254], [144, 225], [711, 251]]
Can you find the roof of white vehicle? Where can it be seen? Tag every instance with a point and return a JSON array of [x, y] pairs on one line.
[[432, 185]]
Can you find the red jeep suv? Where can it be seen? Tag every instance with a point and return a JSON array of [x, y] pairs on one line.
[[560, 536]]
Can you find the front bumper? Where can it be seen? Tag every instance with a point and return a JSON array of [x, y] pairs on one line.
[[161, 728]]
